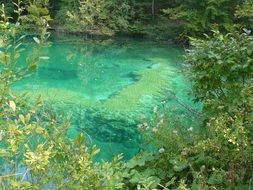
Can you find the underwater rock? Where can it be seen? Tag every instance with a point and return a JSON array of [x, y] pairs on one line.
[[151, 63], [150, 66], [107, 126], [133, 75]]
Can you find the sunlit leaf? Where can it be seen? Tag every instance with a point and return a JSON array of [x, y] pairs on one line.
[[12, 105], [36, 40], [44, 58], [22, 118]]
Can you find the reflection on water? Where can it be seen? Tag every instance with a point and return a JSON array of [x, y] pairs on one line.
[[106, 84]]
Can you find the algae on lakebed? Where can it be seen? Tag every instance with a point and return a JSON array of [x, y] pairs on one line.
[[105, 88], [143, 93]]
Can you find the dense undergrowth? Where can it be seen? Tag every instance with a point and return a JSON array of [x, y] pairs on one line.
[[213, 151]]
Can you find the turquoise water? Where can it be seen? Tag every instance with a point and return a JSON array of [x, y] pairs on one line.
[[104, 86]]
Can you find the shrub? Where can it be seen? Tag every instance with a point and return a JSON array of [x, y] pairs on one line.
[[221, 68], [35, 152], [216, 154]]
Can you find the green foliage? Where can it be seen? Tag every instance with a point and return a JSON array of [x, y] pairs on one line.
[[37, 18], [218, 153], [147, 20], [218, 158], [197, 17], [111, 16], [100, 17], [10, 49], [222, 73], [203, 16], [245, 13], [35, 152], [158, 19], [59, 12], [9, 7]]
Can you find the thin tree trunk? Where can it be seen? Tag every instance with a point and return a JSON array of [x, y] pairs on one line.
[[153, 8]]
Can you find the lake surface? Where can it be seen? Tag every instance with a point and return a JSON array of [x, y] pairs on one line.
[[104, 86]]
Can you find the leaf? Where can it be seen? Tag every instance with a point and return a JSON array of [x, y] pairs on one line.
[[179, 166], [22, 118], [28, 117], [36, 40], [216, 178], [44, 58], [171, 182], [39, 130], [12, 105], [32, 67], [22, 37], [139, 161], [247, 31], [17, 46]]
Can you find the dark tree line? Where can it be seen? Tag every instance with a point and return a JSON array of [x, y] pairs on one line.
[[154, 18]]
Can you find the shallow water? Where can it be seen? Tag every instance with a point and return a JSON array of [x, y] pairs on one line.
[[105, 85]]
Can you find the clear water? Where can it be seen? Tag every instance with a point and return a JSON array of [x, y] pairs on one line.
[[104, 86]]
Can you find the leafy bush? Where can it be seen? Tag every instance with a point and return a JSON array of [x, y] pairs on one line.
[[197, 17], [245, 13], [35, 152], [216, 154], [37, 16], [100, 17], [222, 73]]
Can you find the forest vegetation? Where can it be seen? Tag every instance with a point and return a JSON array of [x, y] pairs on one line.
[[152, 18], [216, 152]]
